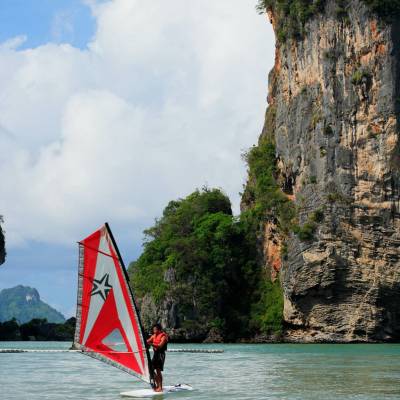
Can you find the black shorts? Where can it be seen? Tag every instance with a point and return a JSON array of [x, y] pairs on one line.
[[158, 360]]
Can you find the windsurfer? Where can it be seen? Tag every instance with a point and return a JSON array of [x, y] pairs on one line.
[[159, 341]]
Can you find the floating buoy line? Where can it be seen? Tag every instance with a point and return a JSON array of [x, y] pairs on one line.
[[80, 351]]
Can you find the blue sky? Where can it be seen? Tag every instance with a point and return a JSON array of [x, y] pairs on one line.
[[44, 21], [50, 269], [110, 109]]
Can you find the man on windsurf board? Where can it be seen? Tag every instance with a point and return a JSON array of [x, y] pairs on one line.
[[159, 341]]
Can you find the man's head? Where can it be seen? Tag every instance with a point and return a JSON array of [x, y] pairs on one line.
[[157, 328]]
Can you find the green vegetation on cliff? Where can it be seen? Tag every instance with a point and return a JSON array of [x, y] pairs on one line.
[[265, 199], [291, 15], [385, 8], [204, 260], [262, 191], [266, 312]]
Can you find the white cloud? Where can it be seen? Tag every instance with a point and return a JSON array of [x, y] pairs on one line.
[[62, 26], [163, 100], [13, 43]]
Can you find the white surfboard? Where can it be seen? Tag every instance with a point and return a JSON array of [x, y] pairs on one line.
[[145, 393]]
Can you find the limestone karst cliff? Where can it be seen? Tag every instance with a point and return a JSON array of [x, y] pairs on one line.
[[333, 119], [2, 244]]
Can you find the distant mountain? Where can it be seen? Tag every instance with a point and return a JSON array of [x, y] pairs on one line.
[[23, 303]]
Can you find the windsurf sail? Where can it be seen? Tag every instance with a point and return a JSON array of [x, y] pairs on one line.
[[108, 324]]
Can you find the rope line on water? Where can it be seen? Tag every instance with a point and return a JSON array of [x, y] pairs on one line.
[[80, 351]]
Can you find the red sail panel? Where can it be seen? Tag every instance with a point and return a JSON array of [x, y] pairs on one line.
[[108, 326]]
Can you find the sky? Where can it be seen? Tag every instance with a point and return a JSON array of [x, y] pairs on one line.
[[110, 109]]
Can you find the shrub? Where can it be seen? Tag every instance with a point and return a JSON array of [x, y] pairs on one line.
[[293, 14], [359, 75], [317, 215], [332, 197], [336, 196], [306, 231], [284, 251], [268, 198], [316, 118], [328, 130], [341, 11], [387, 9], [281, 35], [267, 311], [330, 54], [313, 179]]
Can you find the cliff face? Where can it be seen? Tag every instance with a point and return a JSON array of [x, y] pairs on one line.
[[2, 245], [334, 97]]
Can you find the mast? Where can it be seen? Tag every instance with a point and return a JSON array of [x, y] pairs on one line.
[[134, 302]]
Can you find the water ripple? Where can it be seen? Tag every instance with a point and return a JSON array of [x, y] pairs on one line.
[[245, 372]]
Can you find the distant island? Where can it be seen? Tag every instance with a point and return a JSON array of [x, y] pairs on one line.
[[23, 303]]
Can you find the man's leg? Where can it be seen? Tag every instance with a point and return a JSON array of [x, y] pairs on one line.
[[155, 379], [158, 380]]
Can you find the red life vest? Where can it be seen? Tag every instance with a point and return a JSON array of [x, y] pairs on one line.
[[157, 340]]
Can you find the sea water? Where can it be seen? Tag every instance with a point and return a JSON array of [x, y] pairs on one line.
[[271, 371]]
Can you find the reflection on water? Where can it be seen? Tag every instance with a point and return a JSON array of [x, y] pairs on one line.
[[367, 372]]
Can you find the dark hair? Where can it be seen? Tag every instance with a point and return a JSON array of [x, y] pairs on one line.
[[158, 326]]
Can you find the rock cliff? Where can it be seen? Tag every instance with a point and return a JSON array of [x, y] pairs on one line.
[[2, 244], [333, 116]]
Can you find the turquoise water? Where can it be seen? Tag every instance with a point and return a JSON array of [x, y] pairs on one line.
[[278, 371]]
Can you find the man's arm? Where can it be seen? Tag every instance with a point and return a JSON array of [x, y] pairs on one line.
[[150, 339]]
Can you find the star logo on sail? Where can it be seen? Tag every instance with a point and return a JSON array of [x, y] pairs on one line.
[[101, 287]]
